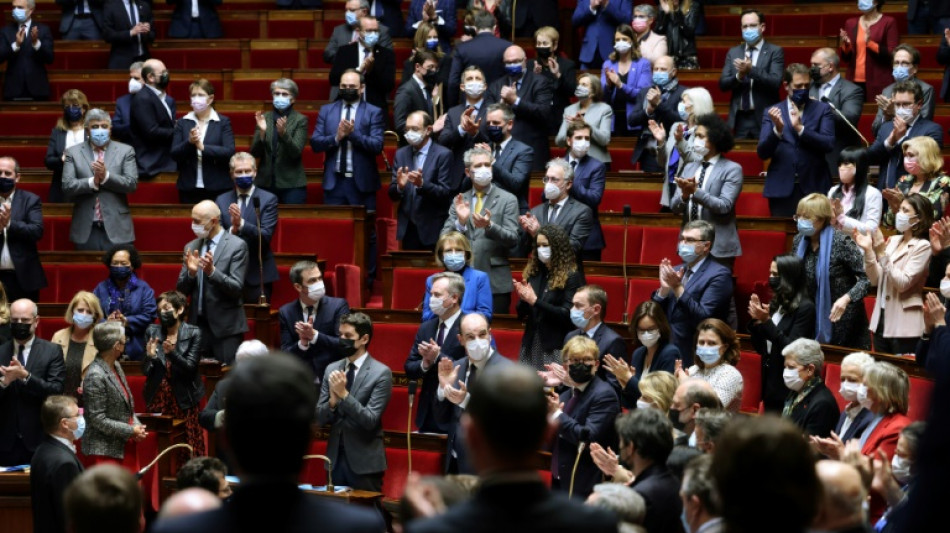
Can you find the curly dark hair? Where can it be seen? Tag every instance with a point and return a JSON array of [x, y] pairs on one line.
[[563, 262], [134, 256], [717, 132]]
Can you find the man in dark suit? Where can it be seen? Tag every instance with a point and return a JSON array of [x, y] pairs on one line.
[[943, 57], [887, 151], [529, 95], [690, 396], [465, 124], [829, 86], [796, 135], [484, 51], [440, 14], [31, 369], [529, 17], [81, 20], [353, 396], [121, 120], [588, 312], [422, 185], [599, 18], [21, 226], [243, 205], [127, 26], [753, 73], [27, 47], [646, 440], [436, 338], [310, 325], [572, 215], [416, 93], [585, 413], [376, 63], [55, 465], [153, 122], [590, 179], [906, 60], [213, 276], [455, 380], [350, 131], [513, 159], [695, 290], [349, 31], [98, 175], [506, 422], [660, 103], [195, 19], [273, 396], [389, 12]]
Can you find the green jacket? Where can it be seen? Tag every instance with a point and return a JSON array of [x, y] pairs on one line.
[[288, 163]]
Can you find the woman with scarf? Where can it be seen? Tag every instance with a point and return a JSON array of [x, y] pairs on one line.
[[125, 298], [835, 276], [674, 156], [810, 405]]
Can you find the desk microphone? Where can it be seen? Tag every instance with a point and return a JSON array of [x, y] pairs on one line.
[[584, 437], [141, 473], [330, 488], [845, 119], [260, 247], [389, 167], [413, 384], [626, 281]]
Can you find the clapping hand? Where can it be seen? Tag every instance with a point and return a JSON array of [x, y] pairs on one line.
[[337, 387], [482, 220], [192, 262], [900, 129], [669, 276], [344, 129], [679, 132], [831, 447], [606, 460], [845, 40], [529, 223], [98, 172], [687, 187], [429, 350], [612, 77], [261, 122], [235, 212], [775, 115], [795, 119], [468, 122], [939, 234], [35, 35], [886, 105], [743, 66], [935, 313], [864, 241], [402, 177], [893, 197], [305, 331], [139, 433], [281, 125], [463, 209], [194, 137], [509, 94], [653, 97], [4, 215], [415, 177], [619, 368], [757, 310], [656, 129], [525, 291], [439, 124], [554, 403], [20, 37], [206, 263], [556, 375], [151, 348], [448, 372], [553, 67], [681, 375], [15, 370]]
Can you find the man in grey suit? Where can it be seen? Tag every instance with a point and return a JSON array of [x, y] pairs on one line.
[[81, 20], [213, 275], [753, 73], [488, 216], [848, 98], [348, 32], [353, 396], [97, 176], [513, 158], [569, 213], [906, 61]]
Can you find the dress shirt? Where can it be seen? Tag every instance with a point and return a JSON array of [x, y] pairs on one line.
[[593, 331], [420, 155], [475, 193], [202, 130], [74, 137], [699, 207], [349, 153], [694, 268], [755, 60], [29, 26], [851, 412], [161, 96], [6, 260], [194, 9], [449, 322], [826, 88]]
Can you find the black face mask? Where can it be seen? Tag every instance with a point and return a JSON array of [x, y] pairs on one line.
[[167, 318], [775, 282], [581, 372], [350, 95], [162, 82], [544, 53], [346, 348], [675, 419], [431, 77], [21, 332], [496, 133], [815, 74]]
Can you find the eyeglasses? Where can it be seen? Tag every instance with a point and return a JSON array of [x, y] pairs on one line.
[[586, 360], [547, 179], [690, 240]]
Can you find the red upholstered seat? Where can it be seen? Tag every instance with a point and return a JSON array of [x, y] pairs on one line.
[[621, 158], [750, 162], [641, 290], [137, 387], [310, 236], [752, 204], [659, 243], [386, 230], [869, 302], [833, 382], [750, 366], [427, 463], [313, 471], [39, 189], [154, 193], [758, 250], [409, 286], [65, 280], [639, 201], [160, 277], [614, 287], [347, 282], [508, 342], [391, 343], [921, 391], [396, 414], [47, 326], [613, 250], [162, 234]]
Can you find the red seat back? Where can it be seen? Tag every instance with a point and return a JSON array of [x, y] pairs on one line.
[[613, 285], [833, 382], [160, 277], [508, 342], [752, 204], [640, 201], [427, 463], [396, 414], [49, 325], [641, 290], [921, 390], [162, 234], [750, 366], [659, 243], [391, 343], [409, 287], [329, 239], [313, 471], [613, 249], [137, 387]]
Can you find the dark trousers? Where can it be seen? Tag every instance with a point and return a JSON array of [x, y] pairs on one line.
[[747, 125], [292, 195], [220, 349], [647, 159], [501, 304], [412, 241], [733, 318], [344, 475], [98, 239], [194, 196], [17, 455], [14, 290], [892, 345], [194, 30], [786, 207], [83, 29], [591, 255]]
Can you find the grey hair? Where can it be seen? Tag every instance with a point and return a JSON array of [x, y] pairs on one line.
[[625, 502], [97, 115], [286, 84], [31, 4], [859, 359], [707, 231], [251, 348], [561, 163], [806, 352], [456, 283], [698, 482], [506, 111], [467, 158], [645, 9], [296, 271], [364, 4], [106, 334], [136, 66], [241, 156], [713, 421], [830, 55]]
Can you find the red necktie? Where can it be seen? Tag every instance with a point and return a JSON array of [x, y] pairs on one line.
[[100, 157]]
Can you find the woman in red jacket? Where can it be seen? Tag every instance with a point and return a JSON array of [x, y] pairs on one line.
[[866, 45]]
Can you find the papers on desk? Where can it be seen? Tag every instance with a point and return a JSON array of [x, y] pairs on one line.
[[18, 468], [323, 488]]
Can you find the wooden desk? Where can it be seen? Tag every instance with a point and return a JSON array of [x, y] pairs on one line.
[[16, 515], [359, 497]]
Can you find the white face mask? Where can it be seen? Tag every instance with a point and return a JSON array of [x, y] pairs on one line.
[[945, 287], [902, 222], [477, 349], [481, 176], [200, 230], [474, 89], [579, 148], [414, 137], [622, 47], [551, 191], [134, 86], [316, 291], [199, 103], [435, 305], [792, 380], [644, 405], [699, 147], [849, 391], [544, 254], [863, 397], [900, 468], [649, 338]]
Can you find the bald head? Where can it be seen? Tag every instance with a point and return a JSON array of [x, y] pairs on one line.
[[473, 323], [514, 54], [844, 495], [665, 64], [24, 307], [152, 73], [207, 215], [189, 501]]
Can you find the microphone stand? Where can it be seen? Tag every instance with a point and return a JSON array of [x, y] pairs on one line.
[[141, 473], [330, 488], [626, 280], [389, 167], [412, 396], [260, 249], [585, 436], [845, 119]]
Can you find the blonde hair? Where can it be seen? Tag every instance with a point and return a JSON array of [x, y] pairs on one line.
[[4, 306], [453, 237], [815, 205], [928, 154], [550, 33], [890, 384], [70, 98], [580, 345], [659, 387], [88, 298]]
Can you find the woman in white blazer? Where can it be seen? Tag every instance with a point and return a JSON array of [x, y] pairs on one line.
[[591, 109]]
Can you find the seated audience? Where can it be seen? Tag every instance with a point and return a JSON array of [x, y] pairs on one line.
[[660, 105], [104, 498], [624, 75], [600, 19], [654, 352], [560, 71], [700, 500], [195, 19], [127, 298], [591, 110], [153, 119], [27, 47], [789, 316], [454, 252], [854, 417], [691, 395], [207, 473], [70, 130], [717, 353], [82, 313], [21, 213], [709, 424], [680, 21], [202, 145], [280, 137], [54, 465], [560, 209], [809, 404], [675, 146], [855, 203]]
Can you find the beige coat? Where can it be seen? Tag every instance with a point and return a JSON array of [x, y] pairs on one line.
[[61, 338], [900, 277], [654, 47]]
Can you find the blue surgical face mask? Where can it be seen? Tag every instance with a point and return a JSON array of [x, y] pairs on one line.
[[80, 428], [578, 319], [244, 182], [454, 261], [281, 102], [806, 227], [19, 14], [750, 35], [661, 78], [707, 354], [687, 252], [681, 109], [799, 96], [901, 73], [99, 136], [685, 522], [514, 70], [82, 320], [371, 38], [351, 18], [865, 5], [432, 44]]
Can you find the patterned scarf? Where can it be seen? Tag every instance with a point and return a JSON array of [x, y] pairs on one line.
[[118, 297]]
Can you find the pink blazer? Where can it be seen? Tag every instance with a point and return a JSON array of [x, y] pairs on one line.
[[900, 277]]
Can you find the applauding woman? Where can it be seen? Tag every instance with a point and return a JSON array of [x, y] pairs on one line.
[[717, 352], [203, 145], [623, 76], [655, 352], [856, 205]]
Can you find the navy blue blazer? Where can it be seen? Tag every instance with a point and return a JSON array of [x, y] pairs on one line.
[[798, 158], [54, 161], [484, 51], [707, 295], [590, 180], [122, 119], [445, 9], [20, 402], [608, 341], [857, 427], [595, 409], [450, 414], [153, 130], [327, 321], [215, 158], [207, 18], [380, 80], [932, 352], [426, 419], [532, 114], [25, 230], [664, 359], [427, 206], [25, 75], [512, 172], [366, 142], [250, 233], [659, 488], [459, 144], [893, 160], [390, 15], [599, 35], [52, 469]]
